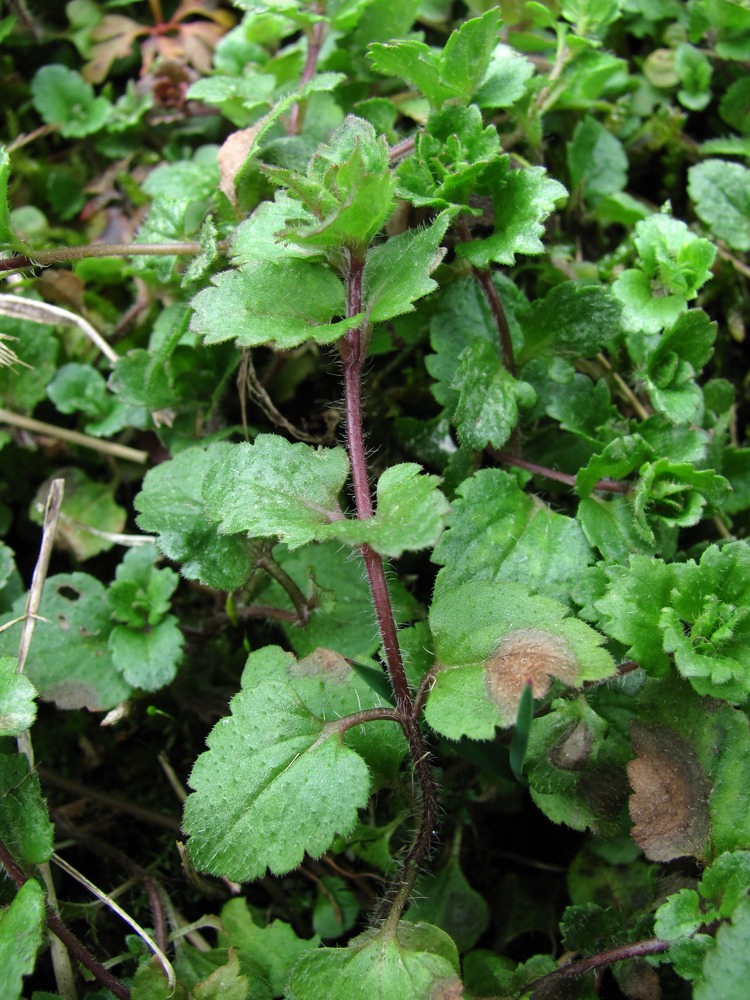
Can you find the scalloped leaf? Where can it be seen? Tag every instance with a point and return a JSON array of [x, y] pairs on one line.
[[418, 961], [274, 489], [491, 640], [17, 699], [276, 782], [171, 505], [410, 514]]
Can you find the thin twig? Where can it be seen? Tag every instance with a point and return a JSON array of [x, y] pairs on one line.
[[60, 957], [113, 801], [116, 908], [63, 933], [64, 255], [73, 437], [45, 314]]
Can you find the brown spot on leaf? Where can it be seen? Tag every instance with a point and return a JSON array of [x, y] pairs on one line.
[[448, 989], [529, 656], [572, 751], [324, 663], [669, 805]]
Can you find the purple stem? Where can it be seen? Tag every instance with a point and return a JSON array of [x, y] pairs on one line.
[[314, 42], [653, 946], [76, 948], [353, 358]]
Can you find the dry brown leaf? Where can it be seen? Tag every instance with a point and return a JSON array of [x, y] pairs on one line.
[[669, 805], [529, 656], [232, 155]]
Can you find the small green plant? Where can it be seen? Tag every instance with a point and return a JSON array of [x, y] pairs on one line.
[[443, 426]]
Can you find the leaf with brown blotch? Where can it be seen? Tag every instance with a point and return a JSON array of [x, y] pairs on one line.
[[669, 804], [528, 656]]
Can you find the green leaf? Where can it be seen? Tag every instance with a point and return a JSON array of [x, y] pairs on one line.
[[571, 761], [466, 56], [631, 607], [505, 81], [720, 191], [449, 157], [17, 699], [491, 639], [347, 192], [271, 752], [86, 504], [694, 71], [284, 302], [522, 200], [140, 594], [171, 505], [733, 106], [675, 264], [7, 233], [69, 662], [25, 826], [727, 966], [239, 98], [272, 488], [62, 97], [411, 962], [21, 936], [672, 366], [520, 739], [463, 316], [497, 532], [21, 388], [274, 948], [341, 617], [680, 916], [226, 983], [727, 881], [590, 16], [331, 689], [488, 397], [410, 514], [596, 160], [259, 236], [147, 657], [700, 612], [706, 624], [336, 908], [571, 321], [447, 900], [414, 62], [675, 494], [620, 457], [397, 272]]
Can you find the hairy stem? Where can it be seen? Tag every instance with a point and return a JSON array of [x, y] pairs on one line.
[[76, 948], [606, 485], [638, 949], [353, 353], [314, 42], [61, 255], [301, 603]]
